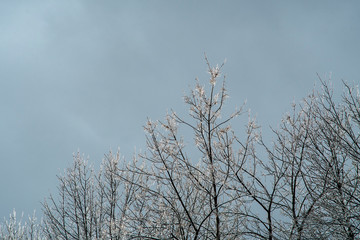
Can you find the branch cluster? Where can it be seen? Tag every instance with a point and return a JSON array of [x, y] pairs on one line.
[[217, 185]]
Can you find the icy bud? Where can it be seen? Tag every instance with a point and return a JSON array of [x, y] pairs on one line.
[[213, 81], [216, 98], [171, 122], [288, 118], [225, 129], [200, 90], [150, 126], [256, 136], [187, 99], [214, 72], [198, 141]]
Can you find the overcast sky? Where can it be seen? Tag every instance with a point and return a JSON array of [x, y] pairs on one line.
[[85, 75]]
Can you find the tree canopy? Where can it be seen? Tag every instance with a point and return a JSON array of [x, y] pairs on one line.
[[220, 182]]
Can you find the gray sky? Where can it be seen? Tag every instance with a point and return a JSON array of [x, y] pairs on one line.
[[86, 74]]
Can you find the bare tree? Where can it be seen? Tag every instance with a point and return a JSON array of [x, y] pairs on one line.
[[117, 189], [20, 229], [90, 205], [319, 147], [212, 186], [222, 182], [303, 181], [74, 214], [338, 151]]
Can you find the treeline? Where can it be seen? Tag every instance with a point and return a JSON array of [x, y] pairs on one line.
[[218, 183]]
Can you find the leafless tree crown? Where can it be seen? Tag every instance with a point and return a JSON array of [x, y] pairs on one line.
[[214, 184]]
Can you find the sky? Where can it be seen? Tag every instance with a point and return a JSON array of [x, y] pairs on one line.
[[85, 75]]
